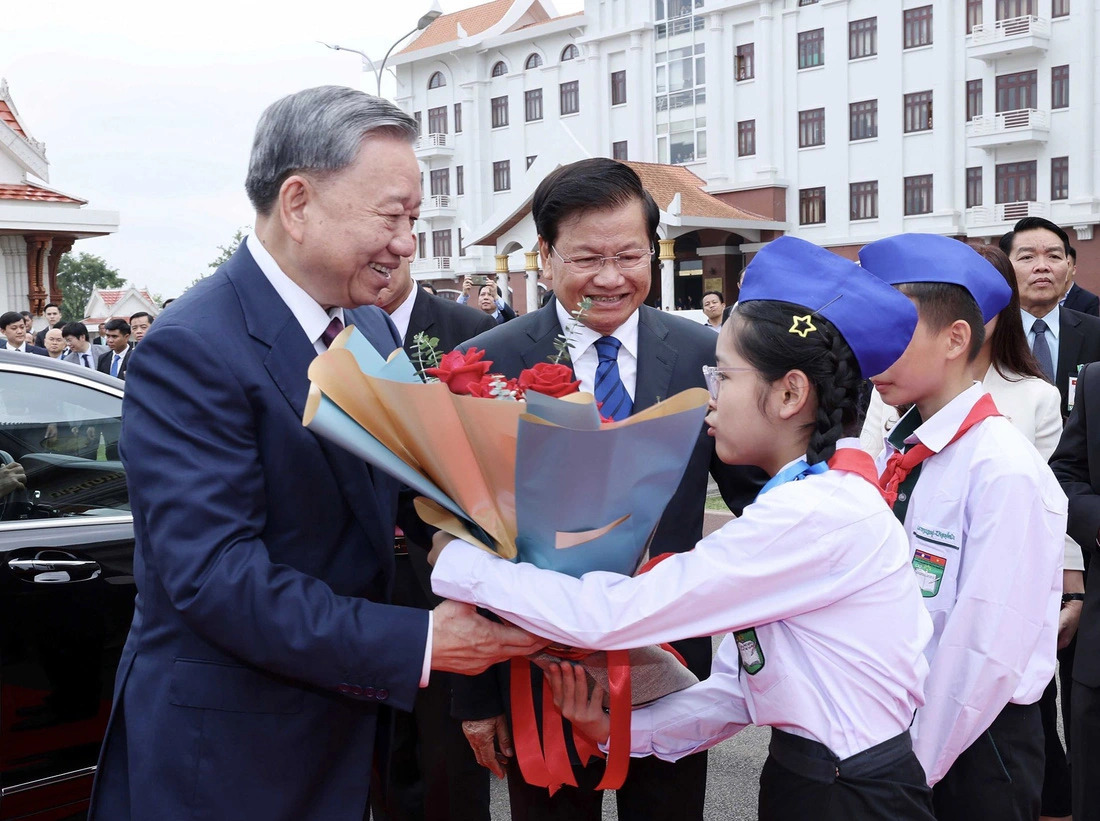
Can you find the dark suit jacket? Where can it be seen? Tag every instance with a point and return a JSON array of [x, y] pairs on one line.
[[1082, 301], [1078, 344], [261, 647], [1076, 463], [30, 348], [40, 337], [446, 320], [104, 363], [671, 354]]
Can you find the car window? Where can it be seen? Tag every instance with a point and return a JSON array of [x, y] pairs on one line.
[[65, 438]]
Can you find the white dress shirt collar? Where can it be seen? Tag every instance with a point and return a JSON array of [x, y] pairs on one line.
[[311, 316], [937, 432], [403, 312], [1053, 321], [584, 337]]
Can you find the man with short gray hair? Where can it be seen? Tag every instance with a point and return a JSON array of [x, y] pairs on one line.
[[263, 646]]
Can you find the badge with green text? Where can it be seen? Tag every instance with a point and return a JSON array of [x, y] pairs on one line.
[[752, 654], [929, 569]]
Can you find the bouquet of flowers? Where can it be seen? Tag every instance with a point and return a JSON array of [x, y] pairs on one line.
[[525, 468]]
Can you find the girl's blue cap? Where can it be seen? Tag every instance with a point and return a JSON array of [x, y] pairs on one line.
[[876, 321], [935, 258]]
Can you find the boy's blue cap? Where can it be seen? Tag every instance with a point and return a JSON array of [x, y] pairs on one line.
[[867, 312], [934, 258]]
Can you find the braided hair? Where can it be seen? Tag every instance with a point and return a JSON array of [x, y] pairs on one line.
[[762, 336]]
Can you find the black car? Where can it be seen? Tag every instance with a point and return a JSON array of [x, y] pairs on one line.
[[66, 581]]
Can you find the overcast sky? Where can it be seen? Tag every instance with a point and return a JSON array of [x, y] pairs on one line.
[[148, 109]]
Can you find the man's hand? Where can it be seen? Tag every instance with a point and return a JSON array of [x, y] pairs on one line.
[[467, 287], [569, 683], [12, 477], [491, 741], [1068, 619], [464, 642]]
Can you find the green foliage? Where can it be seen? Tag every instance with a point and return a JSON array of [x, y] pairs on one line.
[[78, 276], [225, 252], [427, 354], [562, 344]]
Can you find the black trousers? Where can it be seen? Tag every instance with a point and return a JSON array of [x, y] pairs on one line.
[[803, 779], [1000, 775], [1056, 796], [1085, 752]]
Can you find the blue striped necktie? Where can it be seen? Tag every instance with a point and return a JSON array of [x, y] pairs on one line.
[[615, 402], [114, 365]]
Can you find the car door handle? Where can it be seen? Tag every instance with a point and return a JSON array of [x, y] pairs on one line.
[[50, 570]]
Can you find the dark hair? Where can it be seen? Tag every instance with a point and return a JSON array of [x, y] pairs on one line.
[[10, 318], [51, 305], [595, 184], [120, 325], [1011, 355], [427, 286], [26, 314], [1071, 251], [167, 302], [1031, 224], [142, 313], [761, 336], [716, 293], [941, 303], [77, 329]]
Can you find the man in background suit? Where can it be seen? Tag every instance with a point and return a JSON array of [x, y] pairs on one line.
[[14, 331], [81, 351], [1061, 339], [1077, 298], [53, 318], [1076, 463], [597, 232], [432, 770], [117, 358], [263, 646]]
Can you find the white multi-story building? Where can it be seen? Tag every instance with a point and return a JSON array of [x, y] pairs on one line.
[[840, 121]]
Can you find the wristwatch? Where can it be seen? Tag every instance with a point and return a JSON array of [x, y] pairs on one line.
[[1068, 597]]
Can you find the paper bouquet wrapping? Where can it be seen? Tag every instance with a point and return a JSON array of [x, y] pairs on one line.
[[542, 480]]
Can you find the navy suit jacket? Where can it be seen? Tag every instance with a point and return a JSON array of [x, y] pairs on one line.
[[1085, 302], [261, 649], [30, 348], [1078, 344]]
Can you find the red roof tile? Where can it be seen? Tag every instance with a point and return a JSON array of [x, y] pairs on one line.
[[112, 296], [664, 182], [35, 193], [7, 116], [474, 20]]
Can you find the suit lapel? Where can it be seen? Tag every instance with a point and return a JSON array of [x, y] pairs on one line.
[[541, 335], [1069, 351], [656, 359]]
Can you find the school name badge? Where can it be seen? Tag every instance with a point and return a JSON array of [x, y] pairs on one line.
[[748, 647], [929, 569]]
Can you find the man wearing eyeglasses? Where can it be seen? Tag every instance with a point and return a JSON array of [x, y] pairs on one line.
[[597, 230]]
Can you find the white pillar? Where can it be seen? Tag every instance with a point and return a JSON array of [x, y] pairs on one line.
[[668, 274], [532, 269], [502, 277]]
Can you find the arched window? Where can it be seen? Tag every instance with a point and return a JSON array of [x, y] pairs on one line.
[[499, 69], [533, 61], [570, 52], [437, 80]]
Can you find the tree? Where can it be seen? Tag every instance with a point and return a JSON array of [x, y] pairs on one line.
[[225, 252], [78, 276]]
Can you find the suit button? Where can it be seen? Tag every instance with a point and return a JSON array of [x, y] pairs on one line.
[[368, 692], [343, 688], [383, 694], [355, 690]]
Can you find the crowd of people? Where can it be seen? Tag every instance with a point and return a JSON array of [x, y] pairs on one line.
[[897, 440]]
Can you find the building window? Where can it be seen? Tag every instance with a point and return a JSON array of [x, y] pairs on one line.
[[499, 69], [1017, 91], [973, 99], [917, 28], [863, 200], [532, 104], [746, 138], [863, 120], [419, 122], [807, 2], [531, 159], [618, 150], [437, 80], [1059, 87], [502, 175], [811, 48], [460, 181], [422, 245], [618, 87], [973, 14], [437, 120], [499, 106], [1059, 178], [811, 127], [1007, 9], [973, 187], [533, 61], [918, 111], [1016, 182], [461, 247], [811, 206], [441, 182], [1059, 8], [863, 38], [570, 97], [570, 52], [745, 63], [458, 118], [918, 195], [441, 243]]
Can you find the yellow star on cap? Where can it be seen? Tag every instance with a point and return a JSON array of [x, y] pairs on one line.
[[802, 331]]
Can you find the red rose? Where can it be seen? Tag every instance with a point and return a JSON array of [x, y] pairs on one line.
[[460, 370], [484, 388], [549, 379]]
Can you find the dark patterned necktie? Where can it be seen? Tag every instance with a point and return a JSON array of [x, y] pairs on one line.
[[1041, 348], [615, 402], [332, 331]]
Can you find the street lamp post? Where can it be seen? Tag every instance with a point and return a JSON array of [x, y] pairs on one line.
[[421, 24]]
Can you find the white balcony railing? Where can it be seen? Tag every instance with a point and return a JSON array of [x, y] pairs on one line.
[[436, 202], [1028, 25], [1006, 121], [434, 143], [1005, 212], [431, 266]]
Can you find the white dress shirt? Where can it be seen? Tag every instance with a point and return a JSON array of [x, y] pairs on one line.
[[990, 508], [314, 320], [820, 569], [582, 350], [1053, 332], [403, 312]]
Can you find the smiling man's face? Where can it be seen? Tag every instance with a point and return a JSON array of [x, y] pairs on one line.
[[1042, 270]]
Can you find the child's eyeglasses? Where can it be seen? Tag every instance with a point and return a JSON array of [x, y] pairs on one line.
[[714, 378]]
